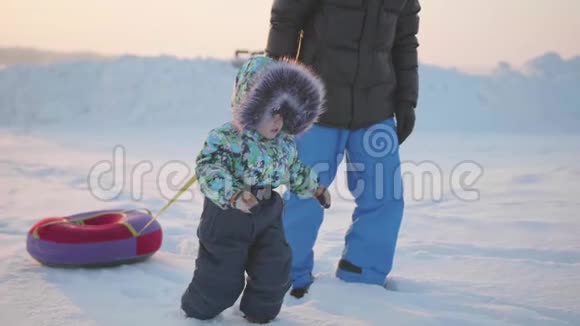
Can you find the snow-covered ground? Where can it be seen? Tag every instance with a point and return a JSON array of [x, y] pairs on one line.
[[509, 257]]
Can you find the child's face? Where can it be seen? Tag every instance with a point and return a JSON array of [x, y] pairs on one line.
[[271, 125]]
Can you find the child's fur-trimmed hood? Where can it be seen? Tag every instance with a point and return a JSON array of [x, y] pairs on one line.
[[264, 86]]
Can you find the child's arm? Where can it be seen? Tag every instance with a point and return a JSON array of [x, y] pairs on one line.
[[303, 180], [213, 169]]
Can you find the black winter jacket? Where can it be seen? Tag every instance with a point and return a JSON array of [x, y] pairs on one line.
[[364, 50]]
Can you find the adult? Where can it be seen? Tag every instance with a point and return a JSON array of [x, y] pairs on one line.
[[366, 53]]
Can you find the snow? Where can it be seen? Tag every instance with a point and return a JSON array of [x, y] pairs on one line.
[[165, 91], [511, 257]]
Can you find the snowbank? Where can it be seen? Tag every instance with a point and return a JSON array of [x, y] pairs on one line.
[[128, 91], [167, 91]]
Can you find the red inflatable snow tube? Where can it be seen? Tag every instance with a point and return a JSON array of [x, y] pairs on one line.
[[94, 239]]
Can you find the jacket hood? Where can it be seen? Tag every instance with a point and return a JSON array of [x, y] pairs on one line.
[[264, 85]]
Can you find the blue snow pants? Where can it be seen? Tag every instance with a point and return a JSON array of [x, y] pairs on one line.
[[374, 180]]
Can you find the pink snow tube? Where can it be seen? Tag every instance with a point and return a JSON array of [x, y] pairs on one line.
[[94, 239]]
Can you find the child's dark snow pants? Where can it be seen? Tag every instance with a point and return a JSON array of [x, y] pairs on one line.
[[230, 243]]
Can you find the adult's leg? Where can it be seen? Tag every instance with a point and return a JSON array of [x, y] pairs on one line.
[[374, 179], [321, 148]]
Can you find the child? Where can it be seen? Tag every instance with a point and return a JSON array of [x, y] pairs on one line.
[[238, 168]]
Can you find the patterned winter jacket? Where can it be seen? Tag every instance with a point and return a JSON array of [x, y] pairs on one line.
[[231, 161], [236, 156]]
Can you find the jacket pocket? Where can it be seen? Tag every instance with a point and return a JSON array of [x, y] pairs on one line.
[[387, 26], [394, 6]]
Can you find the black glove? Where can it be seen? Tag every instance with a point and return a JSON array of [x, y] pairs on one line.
[[405, 116], [323, 197]]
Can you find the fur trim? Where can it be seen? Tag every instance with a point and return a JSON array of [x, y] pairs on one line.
[[286, 86]]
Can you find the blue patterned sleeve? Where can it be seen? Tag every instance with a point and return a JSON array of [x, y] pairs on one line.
[[303, 179], [214, 169]]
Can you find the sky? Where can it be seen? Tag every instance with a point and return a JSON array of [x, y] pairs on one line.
[[454, 33]]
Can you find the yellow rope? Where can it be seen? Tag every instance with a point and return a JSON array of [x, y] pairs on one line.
[[186, 186], [133, 231], [130, 228]]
